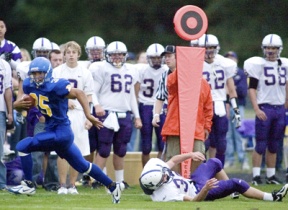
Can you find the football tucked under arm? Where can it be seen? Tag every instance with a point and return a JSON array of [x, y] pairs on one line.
[[31, 101]]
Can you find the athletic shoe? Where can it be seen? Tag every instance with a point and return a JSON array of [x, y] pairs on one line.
[[273, 180], [126, 184], [26, 188], [257, 180], [95, 185], [280, 194], [62, 191], [72, 190], [116, 194], [235, 195], [86, 180]]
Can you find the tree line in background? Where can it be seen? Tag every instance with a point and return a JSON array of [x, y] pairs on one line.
[[239, 25]]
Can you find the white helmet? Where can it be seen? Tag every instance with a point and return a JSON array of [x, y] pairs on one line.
[[272, 40], [41, 47], [209, 40], [152, 178], [153, 51], [55, 46], [116, 47], [194, 43], [95, 48]]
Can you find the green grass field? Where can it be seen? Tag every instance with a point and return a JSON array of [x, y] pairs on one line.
[[132, 198]]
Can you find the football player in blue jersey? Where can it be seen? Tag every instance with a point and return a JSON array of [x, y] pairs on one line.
[[51, 98]]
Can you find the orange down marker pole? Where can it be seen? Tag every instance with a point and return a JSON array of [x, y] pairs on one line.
[[190, 23], [189, 69]]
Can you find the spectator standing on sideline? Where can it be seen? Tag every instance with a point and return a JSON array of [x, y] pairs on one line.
[[234, 141], [79, 78], [9, 51], [6, 113], [219, 72], [51, 96], [114, 103], [268, 94], [168, 90], [148, 76]]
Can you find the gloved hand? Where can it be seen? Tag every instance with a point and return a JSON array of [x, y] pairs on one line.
[[237, 118], [6, 56]]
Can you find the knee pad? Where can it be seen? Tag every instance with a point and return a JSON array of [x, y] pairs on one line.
[[104, 150], [241, 185], [120, 149], [218, 164], [221, 147], [260, 147], [146, 148]]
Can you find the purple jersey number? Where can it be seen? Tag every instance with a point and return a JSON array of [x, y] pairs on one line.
[[271, 78], [116, 83], [73, 83], [149, 88], [1, 84], [219, 79], [181, 182]]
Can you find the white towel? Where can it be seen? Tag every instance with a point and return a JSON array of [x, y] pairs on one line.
[[220, 109], [111, 122]]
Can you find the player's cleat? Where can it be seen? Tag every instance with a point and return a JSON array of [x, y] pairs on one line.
[[280, 194], [86, 180], [72, 190], [26, 188], [257, 180], [235, 195], [126, 184], [116, 194], [62, 191], [273, 180], [95, 185]]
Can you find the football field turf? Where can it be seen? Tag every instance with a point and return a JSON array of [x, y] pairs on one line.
[[132, 198]]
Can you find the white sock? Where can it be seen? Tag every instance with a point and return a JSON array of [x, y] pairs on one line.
[[256, 171], [270, 172], [105, 170], [267, 197], [119, 175]]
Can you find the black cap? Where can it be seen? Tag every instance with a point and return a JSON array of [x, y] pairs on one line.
[[169, 49]]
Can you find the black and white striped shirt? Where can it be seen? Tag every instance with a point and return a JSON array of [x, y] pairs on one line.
[[162, 92]]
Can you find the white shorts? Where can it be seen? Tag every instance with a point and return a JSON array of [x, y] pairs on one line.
[[81, 137]]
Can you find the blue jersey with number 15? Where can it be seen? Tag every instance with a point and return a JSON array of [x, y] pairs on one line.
[[50, 99]]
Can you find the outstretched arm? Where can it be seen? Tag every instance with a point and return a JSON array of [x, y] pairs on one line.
[[82, 98], [197, 156]]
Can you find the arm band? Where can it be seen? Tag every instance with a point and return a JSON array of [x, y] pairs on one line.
[[234, 103], [253, 83], [91, 107]]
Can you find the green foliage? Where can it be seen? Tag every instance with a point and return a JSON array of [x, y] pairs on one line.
[[239, 25], [132, 199]]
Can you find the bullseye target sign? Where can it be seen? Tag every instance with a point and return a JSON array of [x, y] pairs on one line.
[[190, 22]]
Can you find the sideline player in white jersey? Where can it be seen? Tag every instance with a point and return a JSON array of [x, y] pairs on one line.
[[6, 112], [95, 49], [148, 76], [219, 72], [79, 78], [114, 103], [268, 94], [209, 182]]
